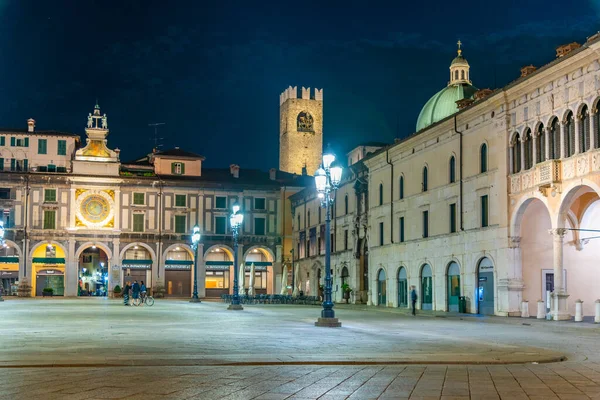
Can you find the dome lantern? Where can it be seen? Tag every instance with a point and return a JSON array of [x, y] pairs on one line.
[[459, 68]]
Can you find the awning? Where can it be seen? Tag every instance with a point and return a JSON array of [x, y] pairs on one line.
[[9, 260], [179, 262], [136, 264], [48, 260]]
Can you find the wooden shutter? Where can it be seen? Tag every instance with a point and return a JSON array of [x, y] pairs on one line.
[[1, 164], [2, 141], [12, 141], [173, 168], [12, 164], [182, 168], [26, 142], [25, 164]]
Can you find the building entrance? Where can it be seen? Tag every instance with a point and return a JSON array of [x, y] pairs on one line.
[[426, 288], [485, 289], [402, 288], [50, 279], [93, 272], [381, 288], [453, 286]]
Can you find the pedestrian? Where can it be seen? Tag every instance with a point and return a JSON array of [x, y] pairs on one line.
[[126, 290], [135, 289], [413, 298], [143, 290]]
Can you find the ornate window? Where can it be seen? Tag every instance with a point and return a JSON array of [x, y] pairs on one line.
[[483, 159], [584, 130], [305, 122], [424, 183], [452, 169], [569, 135], [540, 145], [528, 145], [516, 154], [554, 139]]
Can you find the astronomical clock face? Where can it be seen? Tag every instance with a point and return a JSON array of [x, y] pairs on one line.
[[95, 209]]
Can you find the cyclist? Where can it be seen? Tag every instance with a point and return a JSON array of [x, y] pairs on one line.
[[126, 291], [143, 290], [135, 289]]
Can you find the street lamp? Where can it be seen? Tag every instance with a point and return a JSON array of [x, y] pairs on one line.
[[327, 180], [235, 220], [195, 242]]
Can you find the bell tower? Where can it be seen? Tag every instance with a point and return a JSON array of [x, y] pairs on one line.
[[300, 130]]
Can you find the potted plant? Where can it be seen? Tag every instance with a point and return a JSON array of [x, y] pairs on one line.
[[346, 292], [47, 291], [159, 291], [117, 291], [24, 289]]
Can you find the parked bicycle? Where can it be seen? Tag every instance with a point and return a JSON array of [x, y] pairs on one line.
[[144, 299]]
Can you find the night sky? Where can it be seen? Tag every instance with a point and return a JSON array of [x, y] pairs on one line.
[[213, 71]]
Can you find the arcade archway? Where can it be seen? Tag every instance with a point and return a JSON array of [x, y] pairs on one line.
[[178, 271], [92, 272], [219, 271]]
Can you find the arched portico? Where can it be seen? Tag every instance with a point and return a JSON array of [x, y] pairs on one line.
[[48, 262], [261, 259], [218, 279], [178, 262], [10, 260], [138, 260]]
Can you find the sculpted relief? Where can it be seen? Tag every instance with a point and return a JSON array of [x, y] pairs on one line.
[[305, 122]]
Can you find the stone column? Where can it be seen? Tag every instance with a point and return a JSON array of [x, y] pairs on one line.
[[534, 139], [71, 270], [593, 129], [116, 260], [510, 159], [277, 267], [559, 296], [547, 142], [578, 132], [201, 272], [563, 139], [522, 144]]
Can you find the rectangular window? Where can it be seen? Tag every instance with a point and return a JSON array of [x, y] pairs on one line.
[[346, 239], [19, 142], [401, 225], [260, 204], [484, 211], [138, 222], [221, 202], [42, 146], [180, 200], [425, 224], [259, 226], [50, 196], [1, 164], [2, 140], [220, 225], [453, 218], [26, 142], [49, 219], [139, 198], [381, 233], [180, 224], [12, 141], [178, 168], [62, 148]]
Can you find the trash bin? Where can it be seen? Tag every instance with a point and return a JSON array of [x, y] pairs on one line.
[[462, 304]]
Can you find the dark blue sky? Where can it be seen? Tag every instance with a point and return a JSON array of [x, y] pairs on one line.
[[213, 70]]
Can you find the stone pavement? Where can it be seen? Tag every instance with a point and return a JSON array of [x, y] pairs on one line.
[[98, 349]]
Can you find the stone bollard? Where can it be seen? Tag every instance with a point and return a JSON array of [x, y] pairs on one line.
[[524, 309], [578, 310], [597, 317], [541, 311]]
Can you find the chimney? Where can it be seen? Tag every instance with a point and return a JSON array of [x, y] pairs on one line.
[[528, 70], [30, 125], [273, 174], [482, 94], [565, 49], [235, 170]]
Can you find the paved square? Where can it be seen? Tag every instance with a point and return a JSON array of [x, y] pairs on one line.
[[98, 349]]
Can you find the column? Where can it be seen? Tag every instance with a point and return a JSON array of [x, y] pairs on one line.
[[510, 159], [278, 265], [578, 130], [160, 270], [593, 129], [201, 272], [534, 140], [563, 153], [71, 270], [547, 142], [522, 144], [512, 287], [559, 296]]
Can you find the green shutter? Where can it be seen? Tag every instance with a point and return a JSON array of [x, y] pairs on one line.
[[12, 141], [62, 148], [42, 146], [1, 164], [50, 195], [49, 219], [12, 164], [25, 164], [138, 198], [180, 200], [26, 142], [173, 168], [138, 222], [180, 224], [182, 169], [2, 141]]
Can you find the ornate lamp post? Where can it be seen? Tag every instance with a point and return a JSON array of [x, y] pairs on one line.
[[1, 245], [195, 242], [235, 220], [327, 180]]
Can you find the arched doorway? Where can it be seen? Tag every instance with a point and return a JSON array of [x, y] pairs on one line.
[[92, 273], [485, 288], [48, 265], [402, 288], [262, 259], [453, 278], [9, 269], [219, 271], [137, 265], [426, 288], [381, 288], [178, 271]]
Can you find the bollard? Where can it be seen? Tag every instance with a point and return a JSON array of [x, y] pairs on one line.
[[524, 309], [578, 310], [597, 318], [541, 311]]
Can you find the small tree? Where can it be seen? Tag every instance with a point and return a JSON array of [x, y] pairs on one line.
[[24, 289]]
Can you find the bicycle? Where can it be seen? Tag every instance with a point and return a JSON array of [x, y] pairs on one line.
[[143, 299]]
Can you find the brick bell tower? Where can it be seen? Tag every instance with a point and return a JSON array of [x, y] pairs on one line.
[[300, 130]]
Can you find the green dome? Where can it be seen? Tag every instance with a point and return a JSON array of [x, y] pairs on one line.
[[443, 104]]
